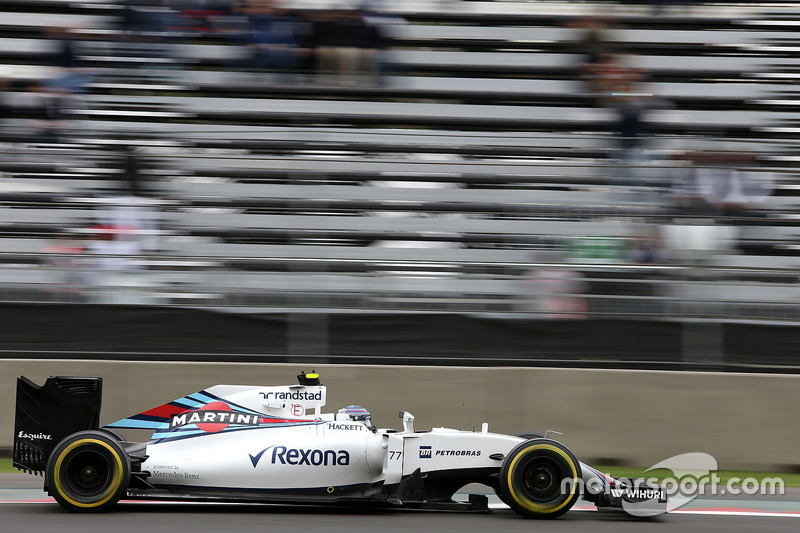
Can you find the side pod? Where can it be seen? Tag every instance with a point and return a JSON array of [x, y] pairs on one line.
[[45, 415]]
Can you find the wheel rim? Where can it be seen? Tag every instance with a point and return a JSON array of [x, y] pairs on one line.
[[87, 473], [541, 480]]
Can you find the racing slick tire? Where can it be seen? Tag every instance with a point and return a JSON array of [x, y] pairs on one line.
[[88, 471], [529, 435], [113, 433], [532, 477]]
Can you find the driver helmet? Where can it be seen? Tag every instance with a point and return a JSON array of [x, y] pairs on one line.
[[357, 414]]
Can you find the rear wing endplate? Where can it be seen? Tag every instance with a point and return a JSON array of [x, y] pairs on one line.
[[47, 414]]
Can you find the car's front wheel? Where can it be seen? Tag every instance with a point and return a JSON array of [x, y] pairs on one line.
[[88, 471], [540, 479]]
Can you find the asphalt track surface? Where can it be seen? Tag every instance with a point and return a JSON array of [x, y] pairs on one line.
[[49, 517], [24, 508]]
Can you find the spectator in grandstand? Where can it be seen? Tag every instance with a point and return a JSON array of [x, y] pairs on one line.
[[65, 54], [147, 28], [44, 108], [690, 196], [647, 247], [115, 248], [594, 40], [114, 264], [140, 17], [130, 168], [719, 185], [71, 75], [384, 23], [196, 17], [737, 192], [272, 35], [6, 108], [555, 289], [126, 226], [623, 92], [321, 40], [596, 51], [613, 75], [346, 47], [64, 257], [370, 42]]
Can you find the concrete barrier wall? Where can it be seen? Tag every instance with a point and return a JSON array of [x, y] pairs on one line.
[[626, 416]]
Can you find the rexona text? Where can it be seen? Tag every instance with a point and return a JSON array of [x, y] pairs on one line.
[[297, 456]]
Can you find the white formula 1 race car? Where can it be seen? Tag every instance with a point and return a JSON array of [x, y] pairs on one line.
[[274, 444]]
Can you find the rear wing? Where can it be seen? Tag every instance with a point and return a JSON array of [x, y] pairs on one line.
[[47, 414]]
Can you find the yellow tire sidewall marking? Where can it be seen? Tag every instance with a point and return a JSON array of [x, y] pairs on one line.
[[527, 504], [116, 482]]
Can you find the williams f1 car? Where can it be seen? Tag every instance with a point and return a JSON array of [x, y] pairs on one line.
[[275, 444]]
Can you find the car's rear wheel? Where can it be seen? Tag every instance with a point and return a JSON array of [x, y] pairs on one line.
[[539, 479], [88, 471]]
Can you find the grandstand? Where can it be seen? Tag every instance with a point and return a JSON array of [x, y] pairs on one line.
[[444, 188]]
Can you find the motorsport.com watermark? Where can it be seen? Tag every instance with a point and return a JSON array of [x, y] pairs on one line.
[[693, 475]]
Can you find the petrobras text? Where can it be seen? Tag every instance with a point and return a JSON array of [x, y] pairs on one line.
[[427, 452], [454, 453]]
